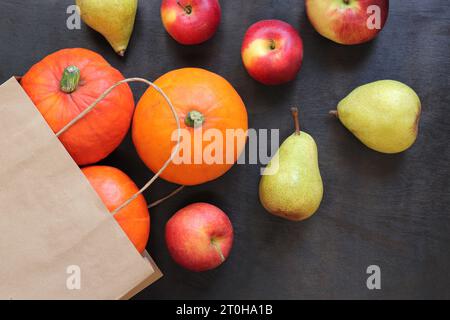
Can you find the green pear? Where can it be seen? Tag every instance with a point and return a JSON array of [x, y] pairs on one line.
[[291, 186], [114, 19], [384, 115]]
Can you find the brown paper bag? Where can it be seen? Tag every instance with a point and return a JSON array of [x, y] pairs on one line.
[[53, 226]]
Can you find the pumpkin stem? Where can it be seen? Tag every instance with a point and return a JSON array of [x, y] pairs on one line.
[[297, 123], [70, 79], [194, 119]]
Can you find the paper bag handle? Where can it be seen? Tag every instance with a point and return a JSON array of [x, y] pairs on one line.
[[174, 152]]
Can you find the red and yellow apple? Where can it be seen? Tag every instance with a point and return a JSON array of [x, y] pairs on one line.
[[191, 21], [348, 21], [272, 52], [199, 237]]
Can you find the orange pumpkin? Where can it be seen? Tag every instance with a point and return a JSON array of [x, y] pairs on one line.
[[65, 83], [203, 100], [114, 187]]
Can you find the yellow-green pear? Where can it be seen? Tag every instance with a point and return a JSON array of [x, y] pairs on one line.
[[114, 19], [384, 115], [291, 186]]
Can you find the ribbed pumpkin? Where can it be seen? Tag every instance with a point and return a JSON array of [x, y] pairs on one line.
[[114, 188], [203, 100], [65, 83]]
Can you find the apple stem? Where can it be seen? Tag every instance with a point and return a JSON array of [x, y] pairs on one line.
[[347, 2], [297, 123], [218, 249], [334, 113], [187, 9], [272, 45]]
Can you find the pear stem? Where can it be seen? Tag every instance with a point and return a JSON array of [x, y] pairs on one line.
[[334, 113], [296, 121]]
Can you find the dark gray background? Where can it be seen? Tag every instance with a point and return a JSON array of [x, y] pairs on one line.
[[389, 210]]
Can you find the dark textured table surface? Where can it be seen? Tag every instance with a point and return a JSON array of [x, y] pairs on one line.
[[388, 210]]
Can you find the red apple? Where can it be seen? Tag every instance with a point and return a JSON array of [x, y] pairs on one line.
[[272, 52], [199, 237], [191, 21], [348, 21]]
